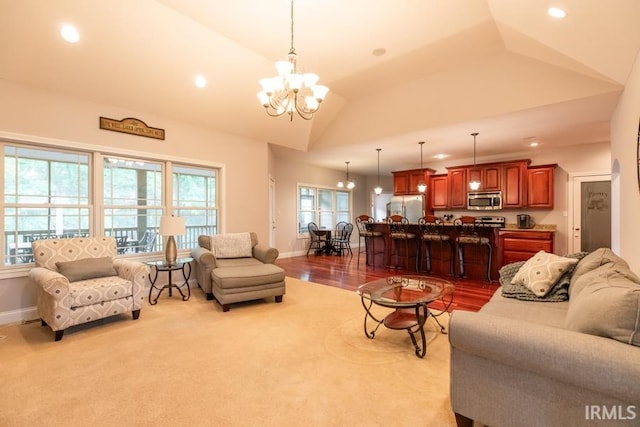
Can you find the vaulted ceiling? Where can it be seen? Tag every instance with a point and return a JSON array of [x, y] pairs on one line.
[[502, 68]]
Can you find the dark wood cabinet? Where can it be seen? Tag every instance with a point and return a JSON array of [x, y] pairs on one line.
[[540, 184], [438, 187], [491, 179], [400, 183], [517, 245], [405, 183], [458, 188], [514, 185]]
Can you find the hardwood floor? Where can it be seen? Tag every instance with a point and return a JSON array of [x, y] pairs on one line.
[[343, 272]]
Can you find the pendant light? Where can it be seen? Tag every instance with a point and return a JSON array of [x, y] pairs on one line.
[[349, 184], [378, 189], [474, 184], [422, 187]]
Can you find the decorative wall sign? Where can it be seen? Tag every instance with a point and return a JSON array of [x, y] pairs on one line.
[[132, 126]]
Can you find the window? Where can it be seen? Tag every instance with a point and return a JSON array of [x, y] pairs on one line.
[[56, 193], [133, 203], [46, 195], [194, 198], [323, 206]]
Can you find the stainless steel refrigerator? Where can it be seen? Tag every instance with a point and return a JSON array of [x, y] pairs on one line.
[[410, 207]]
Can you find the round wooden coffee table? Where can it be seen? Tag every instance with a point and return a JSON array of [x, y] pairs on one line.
[[409, 296]]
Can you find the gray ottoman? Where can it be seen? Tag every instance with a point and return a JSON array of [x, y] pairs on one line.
[[245, 283]]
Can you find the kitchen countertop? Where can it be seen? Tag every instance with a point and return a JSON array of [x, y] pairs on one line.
[[537, 227]]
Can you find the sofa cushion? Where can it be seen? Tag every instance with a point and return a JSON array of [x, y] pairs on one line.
[[87, 268], [231, 245], [608, 306], [581, 275], [99, 290], [240, 277], [542, 271]]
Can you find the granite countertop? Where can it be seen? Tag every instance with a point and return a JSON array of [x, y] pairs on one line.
[[536, 227]]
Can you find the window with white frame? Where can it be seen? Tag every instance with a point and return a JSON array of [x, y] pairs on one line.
[[133, 203], [195, 199], [46, 194], [50, 192], [324, 206]]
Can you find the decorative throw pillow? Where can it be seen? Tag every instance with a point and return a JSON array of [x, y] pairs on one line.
[[608, 307], [231, 245], [87, 268], [542, 271]]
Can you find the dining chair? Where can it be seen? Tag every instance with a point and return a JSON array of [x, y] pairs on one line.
[[341, 241], [317, 238]]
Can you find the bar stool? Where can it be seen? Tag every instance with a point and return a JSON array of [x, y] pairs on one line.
[[432, 231], [366, 232], [399, 233], [467, 235]]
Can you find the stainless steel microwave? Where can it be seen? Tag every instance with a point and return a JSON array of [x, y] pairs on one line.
[[484, 200]]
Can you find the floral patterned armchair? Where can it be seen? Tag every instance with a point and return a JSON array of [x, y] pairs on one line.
[[80, 280]]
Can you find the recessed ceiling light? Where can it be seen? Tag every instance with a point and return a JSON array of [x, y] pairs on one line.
[[440, 156], [533, 143], [379, 51], [556, 12], [200, 81], [69, 33]]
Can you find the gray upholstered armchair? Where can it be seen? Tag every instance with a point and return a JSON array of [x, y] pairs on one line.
[[234, 267], [80, 280]]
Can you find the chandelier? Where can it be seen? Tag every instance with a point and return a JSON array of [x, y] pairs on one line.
[[349, 184], [474, 184], [291, 90], [378, 189]]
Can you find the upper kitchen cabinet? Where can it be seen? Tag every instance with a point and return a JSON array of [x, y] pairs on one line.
[[438, 187], [514, 184], [489, 176], [540, 186], [458, 187], [406, 182]]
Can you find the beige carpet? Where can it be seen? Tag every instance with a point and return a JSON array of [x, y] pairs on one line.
[[305, 362]]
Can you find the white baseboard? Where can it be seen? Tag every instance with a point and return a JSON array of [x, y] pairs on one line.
[[354, 248], [19, 316]]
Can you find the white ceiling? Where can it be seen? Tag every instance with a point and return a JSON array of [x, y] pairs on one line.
[[502, 68]]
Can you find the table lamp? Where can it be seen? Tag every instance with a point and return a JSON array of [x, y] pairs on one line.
[[171, 226]]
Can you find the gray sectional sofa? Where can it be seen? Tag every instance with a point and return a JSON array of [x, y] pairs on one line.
[[235, 267], [537, 362]]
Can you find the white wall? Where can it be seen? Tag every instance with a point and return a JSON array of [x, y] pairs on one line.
[[33, 115], [626, 195]]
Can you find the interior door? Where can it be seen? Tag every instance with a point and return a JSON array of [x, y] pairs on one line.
[[591, 222], [272, 211]]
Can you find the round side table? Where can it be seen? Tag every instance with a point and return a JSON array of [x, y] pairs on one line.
[[183, 265]]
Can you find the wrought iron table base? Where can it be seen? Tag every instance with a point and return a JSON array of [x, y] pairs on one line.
[[410, 319], [170, 285]]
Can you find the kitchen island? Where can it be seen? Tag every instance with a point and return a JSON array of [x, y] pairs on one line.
[[441, 254]]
